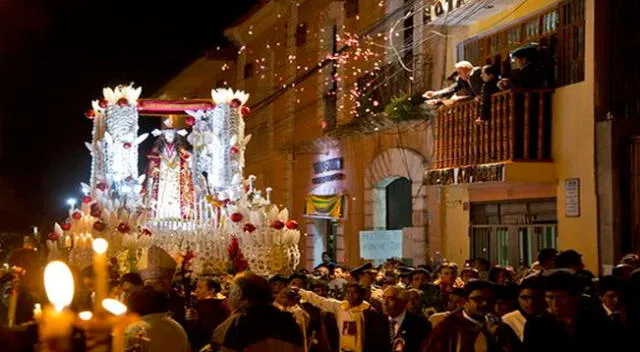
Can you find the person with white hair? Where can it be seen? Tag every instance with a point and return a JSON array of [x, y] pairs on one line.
[[467, 84]]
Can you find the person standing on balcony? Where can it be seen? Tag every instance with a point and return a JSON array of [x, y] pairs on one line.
[[527, 73], [490, 78], [467, 80]]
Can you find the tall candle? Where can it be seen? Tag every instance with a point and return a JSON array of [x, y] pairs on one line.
[[118, 309], [100, 246], [57, 322]]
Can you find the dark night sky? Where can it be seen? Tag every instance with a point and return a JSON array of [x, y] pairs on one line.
[[55, 57]]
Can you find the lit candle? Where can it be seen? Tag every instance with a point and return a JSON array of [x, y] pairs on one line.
[[37, 312], [56, 327], [100, 246], [269, 189]]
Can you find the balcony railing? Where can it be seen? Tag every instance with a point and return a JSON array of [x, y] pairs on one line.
[[518, 129]]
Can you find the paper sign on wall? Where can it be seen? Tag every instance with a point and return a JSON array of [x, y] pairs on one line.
[[572, 197]]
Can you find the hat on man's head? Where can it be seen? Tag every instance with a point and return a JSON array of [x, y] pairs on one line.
[[157, 264], [528, 51], [355, 273], [405, 271], [278, 278]]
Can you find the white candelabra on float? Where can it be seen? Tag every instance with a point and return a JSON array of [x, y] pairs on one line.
[[193, 197]]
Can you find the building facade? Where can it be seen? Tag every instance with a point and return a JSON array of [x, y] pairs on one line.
[[370, 183]]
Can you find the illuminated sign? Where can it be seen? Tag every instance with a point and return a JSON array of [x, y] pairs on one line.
[[441, 8]]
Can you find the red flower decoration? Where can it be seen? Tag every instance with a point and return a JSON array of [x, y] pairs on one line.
[[190, 120], [245, 111], [236, 259], [146, 232], [101, 186], [123, 102], [188, 256], [278, 225], [236, 217], [66, 226], [76, 215], [127, 145], [86, 199], [96, 212], [104, 103], [248, 228], [236, 103], [99, 226], [235, 150], [292, 225], [90, 114], [53, 236], [123, 228]]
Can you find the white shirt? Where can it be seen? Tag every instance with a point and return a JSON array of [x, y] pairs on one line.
[[516, 322], [399, 319]]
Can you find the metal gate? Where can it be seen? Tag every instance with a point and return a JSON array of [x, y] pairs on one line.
[[511, 245]]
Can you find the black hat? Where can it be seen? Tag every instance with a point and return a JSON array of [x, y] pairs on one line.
[[300, 276], [278, 278], [420, 271], [405, 271], [361, 270], [568, 258], [528, 51]]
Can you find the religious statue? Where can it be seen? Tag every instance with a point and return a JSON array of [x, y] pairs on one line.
[[169, 189]]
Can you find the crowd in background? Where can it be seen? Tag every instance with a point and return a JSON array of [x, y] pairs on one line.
[[555, 305]]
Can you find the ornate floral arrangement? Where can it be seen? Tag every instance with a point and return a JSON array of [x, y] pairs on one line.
[[231, 223]]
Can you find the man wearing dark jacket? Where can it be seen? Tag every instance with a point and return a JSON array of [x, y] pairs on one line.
[[255, 323], [490, 78], [209, 311], [571, 324], [408, 331]]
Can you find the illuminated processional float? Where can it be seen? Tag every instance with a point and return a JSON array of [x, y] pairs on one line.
[[192, 200]]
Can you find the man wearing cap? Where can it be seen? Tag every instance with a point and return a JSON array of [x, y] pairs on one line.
[[526, 73], [361, 327]]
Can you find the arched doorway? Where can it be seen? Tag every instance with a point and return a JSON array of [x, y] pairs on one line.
[[395, 200], [392, 204]]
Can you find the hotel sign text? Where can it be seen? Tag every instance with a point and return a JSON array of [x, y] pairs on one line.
[[440, 8]]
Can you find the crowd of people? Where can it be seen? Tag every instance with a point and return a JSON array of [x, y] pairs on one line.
[[556, 305]]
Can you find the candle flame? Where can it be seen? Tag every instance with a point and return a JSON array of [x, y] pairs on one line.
[[58, 283], [100, 245], [86, 315], [114, 306]]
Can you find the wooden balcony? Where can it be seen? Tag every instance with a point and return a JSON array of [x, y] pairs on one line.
[[518, 129]]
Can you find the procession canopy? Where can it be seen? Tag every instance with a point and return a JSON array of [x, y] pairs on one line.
[[157, 107]]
